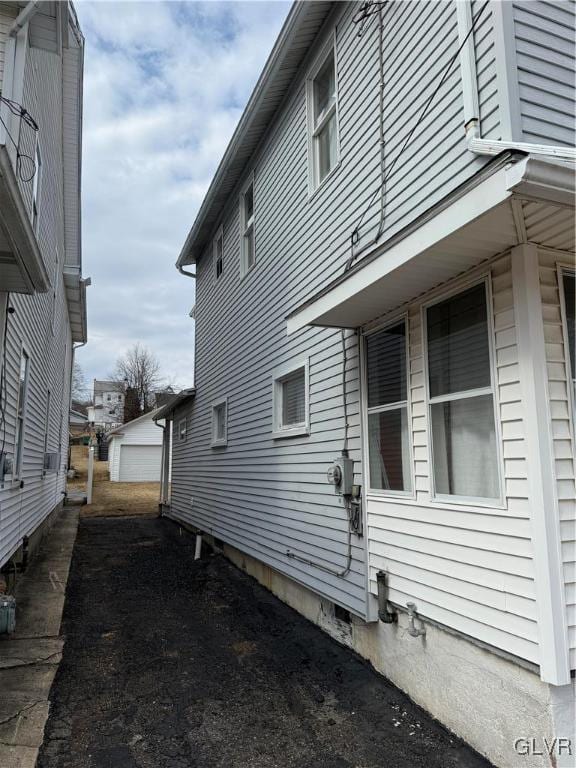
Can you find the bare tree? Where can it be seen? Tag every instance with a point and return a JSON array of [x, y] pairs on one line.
[[139, 370], [79, 391]]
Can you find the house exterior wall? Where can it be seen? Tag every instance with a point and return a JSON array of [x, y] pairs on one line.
[[40, 324]]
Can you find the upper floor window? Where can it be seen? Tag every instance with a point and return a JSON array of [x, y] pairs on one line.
[[220, 423], [461, 397], [290, 400], [36, 187], [182, 430], [218, 252], [568, 286], [247, 244], [21, 413], [388, 420], [322, 110]]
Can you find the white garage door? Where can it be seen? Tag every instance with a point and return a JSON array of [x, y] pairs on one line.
[[140, 463]]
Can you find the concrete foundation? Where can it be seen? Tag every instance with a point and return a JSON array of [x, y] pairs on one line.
[[498, 706]]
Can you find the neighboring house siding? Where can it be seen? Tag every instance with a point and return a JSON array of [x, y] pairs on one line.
[[468, 567], [41, 323], [546, 70], [562, 426], [133, 465], [268, 496]]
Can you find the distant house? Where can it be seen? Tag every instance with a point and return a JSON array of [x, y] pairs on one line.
[[78, 422], [107, 409], [135, 451], [383, 431], [42, 291]]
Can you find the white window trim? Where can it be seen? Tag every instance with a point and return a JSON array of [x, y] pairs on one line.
[[313, 172], [219, 234], [17, 464], [278, 374], [182, 432], [214, 442], [562, 270], [245, 226], [366, 411], [498, 502], [55, 292]]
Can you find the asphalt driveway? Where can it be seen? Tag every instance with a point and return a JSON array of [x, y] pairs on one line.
[[174, 663]]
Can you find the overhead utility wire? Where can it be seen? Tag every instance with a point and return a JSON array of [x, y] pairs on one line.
[[22, 113], [355, 234]]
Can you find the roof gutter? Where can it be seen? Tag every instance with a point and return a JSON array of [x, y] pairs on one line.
[[183, 271]]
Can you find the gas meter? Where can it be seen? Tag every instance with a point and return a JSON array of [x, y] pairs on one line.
[[341, 475]]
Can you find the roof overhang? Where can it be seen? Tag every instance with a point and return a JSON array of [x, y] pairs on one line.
[[469, 227], [166, 410], [75, 287], [299, 31], [22, 268]]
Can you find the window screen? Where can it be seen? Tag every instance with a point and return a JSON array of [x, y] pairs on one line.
[[294, 398]]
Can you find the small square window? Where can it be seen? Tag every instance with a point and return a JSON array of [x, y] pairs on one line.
[[218, 251], [290, 396], [247, 243], [182, 429], [220, 423]]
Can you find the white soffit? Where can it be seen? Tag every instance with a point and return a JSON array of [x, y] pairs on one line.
[[475, 227]]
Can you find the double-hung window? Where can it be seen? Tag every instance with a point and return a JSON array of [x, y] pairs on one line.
[[247, 243], [322, 110], [220, 423], [182, 430], [218, 253], [388, 419], [21, 413], [290, 400], [462, 415]]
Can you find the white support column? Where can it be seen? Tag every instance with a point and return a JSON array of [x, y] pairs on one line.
[[545, 518]]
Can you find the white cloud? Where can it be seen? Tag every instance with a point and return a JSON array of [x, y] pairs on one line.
[[164, 87]]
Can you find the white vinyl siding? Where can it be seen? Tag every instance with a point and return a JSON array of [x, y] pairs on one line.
[[467, 566], [557, 348]]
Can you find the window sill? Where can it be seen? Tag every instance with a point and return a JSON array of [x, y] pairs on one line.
[[10, 485], [316, 190], [462, 504], [278, 434], [245, 272], [219, 444], [395, 495]]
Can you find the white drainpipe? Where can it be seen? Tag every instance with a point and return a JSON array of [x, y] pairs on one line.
[[25, 15], [474, 141]]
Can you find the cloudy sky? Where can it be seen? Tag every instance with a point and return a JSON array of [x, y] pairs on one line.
[[164, 86]]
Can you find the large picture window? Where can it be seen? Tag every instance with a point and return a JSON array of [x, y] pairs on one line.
[[388, 428], [461, 397]]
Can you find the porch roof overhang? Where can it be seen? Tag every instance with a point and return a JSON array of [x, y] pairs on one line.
[[75, 287], [22, 268], [473, 224], [165, 411]]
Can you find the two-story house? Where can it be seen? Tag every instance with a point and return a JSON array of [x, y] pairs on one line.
[[107, 409], [42, 292], [381, 428]]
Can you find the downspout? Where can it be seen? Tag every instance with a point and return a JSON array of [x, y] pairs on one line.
[[23, 17], [165, 463], [474, 141], [182, 271]]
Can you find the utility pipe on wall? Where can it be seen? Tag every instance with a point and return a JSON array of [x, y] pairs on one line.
[[474, 141]]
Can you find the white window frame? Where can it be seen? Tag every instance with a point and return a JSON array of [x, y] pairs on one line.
[[366, 411], [217, 442], [55, 292], [247, 226], [218, 236], [562, 270], [471, 501], [21, 416], [36, 184], [182, 430], [278, 376], [314, 182]]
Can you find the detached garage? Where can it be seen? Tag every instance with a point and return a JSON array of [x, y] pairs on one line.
[[135, 451]]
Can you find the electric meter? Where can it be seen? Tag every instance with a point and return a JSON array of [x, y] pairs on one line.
[[341, 475]]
